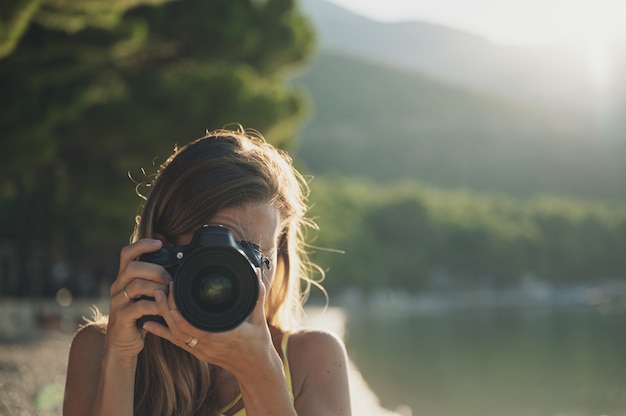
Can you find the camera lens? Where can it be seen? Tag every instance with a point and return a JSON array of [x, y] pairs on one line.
[[216, 288]]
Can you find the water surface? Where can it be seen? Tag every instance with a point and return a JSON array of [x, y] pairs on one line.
[[496, 362]]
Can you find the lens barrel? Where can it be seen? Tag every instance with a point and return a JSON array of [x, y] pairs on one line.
[[216, 288]]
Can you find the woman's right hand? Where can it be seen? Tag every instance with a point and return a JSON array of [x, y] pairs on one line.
[[134, 279]]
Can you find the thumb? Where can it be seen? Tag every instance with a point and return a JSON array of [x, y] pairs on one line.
[[259, 312]]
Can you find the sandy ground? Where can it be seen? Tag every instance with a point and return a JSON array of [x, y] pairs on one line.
[[33, 365], [32, 373]]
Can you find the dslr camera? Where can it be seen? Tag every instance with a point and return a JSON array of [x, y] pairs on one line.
[[214, 278]]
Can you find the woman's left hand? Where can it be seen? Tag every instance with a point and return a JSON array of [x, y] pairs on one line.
[[247, 352], [239, 351]]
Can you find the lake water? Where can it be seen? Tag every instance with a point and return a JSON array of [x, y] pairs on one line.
[[563, 362]]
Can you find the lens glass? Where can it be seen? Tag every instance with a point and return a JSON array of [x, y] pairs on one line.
[[214, 289]]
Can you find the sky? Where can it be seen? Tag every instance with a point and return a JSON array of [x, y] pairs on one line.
[[512, 22], [592, 29]]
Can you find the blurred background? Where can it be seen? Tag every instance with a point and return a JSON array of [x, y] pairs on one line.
[[467, 165]]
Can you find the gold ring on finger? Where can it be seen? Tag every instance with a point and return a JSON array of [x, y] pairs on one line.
[[192, 342], [126, 294]]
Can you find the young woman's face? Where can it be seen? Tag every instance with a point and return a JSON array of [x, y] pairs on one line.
[[259, 223]]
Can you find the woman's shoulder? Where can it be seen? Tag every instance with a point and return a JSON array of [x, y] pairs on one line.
[[313, 355], [315, 341], [91, 330], [89, 337]]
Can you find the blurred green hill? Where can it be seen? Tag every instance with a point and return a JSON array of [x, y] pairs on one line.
[[388, 124]]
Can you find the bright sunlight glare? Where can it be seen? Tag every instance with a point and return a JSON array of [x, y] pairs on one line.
[[519, 22], [591, 25], [595, 26]]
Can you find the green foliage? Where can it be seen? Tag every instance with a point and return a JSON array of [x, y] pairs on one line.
[[70, 16], [98, 88], [409, 236]]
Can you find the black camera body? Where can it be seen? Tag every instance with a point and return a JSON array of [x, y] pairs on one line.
[[215, 283]]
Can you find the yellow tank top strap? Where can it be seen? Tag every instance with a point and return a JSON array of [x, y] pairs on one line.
[[284, 344], [284, 347], [230, 405]]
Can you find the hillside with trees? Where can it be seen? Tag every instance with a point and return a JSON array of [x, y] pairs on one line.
[[411, 237], [388, 124]]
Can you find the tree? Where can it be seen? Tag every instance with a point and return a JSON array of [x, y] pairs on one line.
[[90, 96]]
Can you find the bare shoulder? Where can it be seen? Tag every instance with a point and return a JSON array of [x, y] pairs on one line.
[[319, 370], [83, 369], [86, 352], [318, 343], [89, 338]]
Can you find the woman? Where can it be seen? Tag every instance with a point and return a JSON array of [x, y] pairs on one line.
[[262, 367]]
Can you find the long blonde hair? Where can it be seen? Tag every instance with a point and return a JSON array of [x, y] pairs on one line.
[[223, 169]]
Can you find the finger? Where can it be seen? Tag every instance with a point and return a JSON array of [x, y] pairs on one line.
[[157, 329], [132, 251], [258, 313], [129, 314], [136, 289], [179, 330], [180, 324], [142, 270], [170, 298]]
